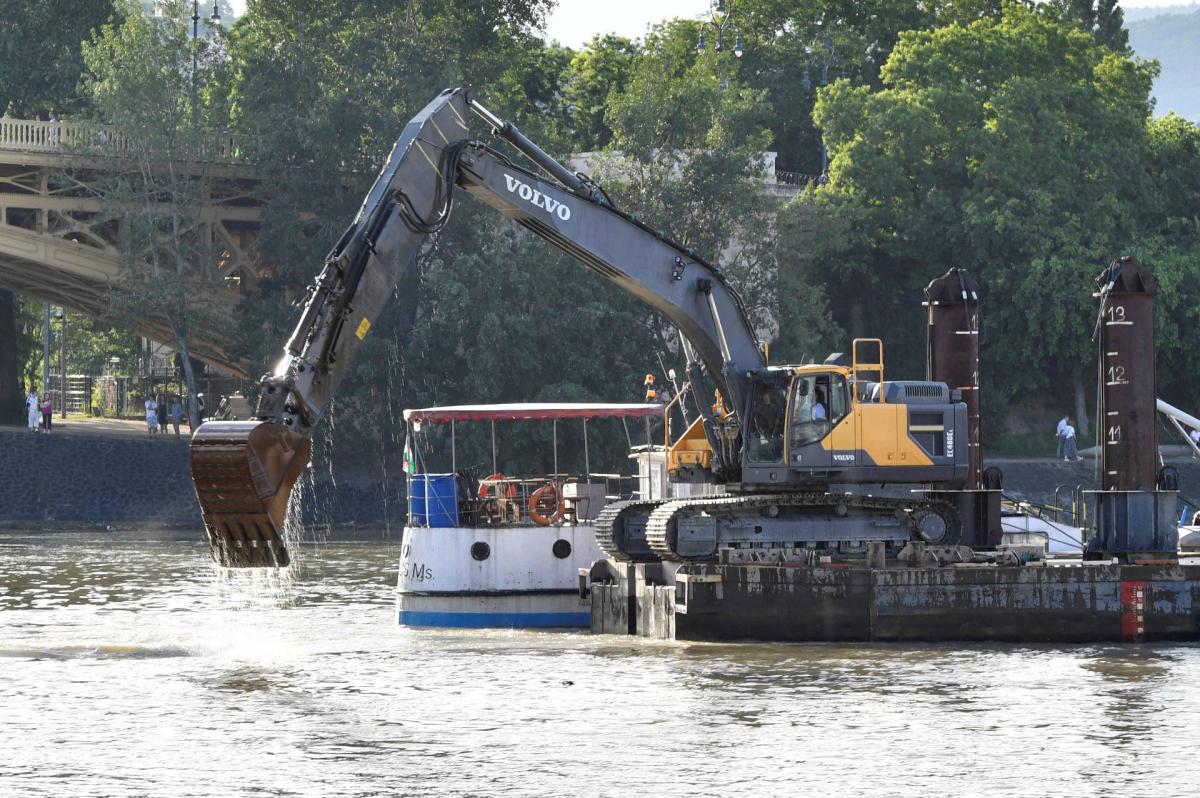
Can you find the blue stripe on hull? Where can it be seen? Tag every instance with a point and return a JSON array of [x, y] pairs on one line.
[[484, 620]]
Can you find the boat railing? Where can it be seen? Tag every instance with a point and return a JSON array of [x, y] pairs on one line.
[[453, 500]]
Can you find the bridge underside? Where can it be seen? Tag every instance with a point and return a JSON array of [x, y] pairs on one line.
[[79, 283], [59, 243]]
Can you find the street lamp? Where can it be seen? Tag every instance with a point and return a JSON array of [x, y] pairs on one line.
[[216, 17], [720, 21], [61, 315], [45, 348], [825, 62]]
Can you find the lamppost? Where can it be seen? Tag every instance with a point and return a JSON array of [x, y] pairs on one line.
[[825, 62], [45, 348], [720, 22], [216, 17], [61, 315]]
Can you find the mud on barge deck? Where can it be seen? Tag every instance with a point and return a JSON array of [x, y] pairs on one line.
[[1066, 601]]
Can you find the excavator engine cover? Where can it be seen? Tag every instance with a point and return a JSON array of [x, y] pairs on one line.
[[243, 472]]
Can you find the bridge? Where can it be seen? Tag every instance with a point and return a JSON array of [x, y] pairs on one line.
[[60, 238]]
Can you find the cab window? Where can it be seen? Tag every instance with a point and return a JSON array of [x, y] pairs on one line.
[[818, 402], [764, 436]]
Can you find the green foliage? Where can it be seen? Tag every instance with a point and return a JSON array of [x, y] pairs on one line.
[[686, 149], [1103, 19], [598, 72], [322, 102], [1016, 147], [40, 57], [1007, 137], [792, 49]]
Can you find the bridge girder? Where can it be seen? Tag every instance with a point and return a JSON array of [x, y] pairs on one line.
[[59, 243]]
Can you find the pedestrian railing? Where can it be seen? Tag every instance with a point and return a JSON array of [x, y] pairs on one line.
[[87, 138], [798, 178]]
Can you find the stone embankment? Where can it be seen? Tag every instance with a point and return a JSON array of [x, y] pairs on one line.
[[1037, 479], [48, 481], [71, 480]]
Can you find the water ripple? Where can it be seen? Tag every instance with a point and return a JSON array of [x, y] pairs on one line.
[[133, 667]]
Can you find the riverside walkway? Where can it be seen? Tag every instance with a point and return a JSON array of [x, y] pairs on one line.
[[60, 240]]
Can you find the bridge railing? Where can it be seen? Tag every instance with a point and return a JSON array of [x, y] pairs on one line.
[[87, 138]]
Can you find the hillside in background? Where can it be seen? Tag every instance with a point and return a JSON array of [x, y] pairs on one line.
[[1146, 12], [1172, 39]]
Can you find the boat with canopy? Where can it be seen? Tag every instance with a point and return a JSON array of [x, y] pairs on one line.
[[503, 547]]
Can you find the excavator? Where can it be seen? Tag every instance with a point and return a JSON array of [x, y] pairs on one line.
[[785, 458]]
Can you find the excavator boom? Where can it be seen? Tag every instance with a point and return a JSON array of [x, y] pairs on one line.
[[244, 471]]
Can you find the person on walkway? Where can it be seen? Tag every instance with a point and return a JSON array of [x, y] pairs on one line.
[[47, 413], [54, 128], [162, 409], [33, 410], [151, 415], [1070, 448], [1061, 434], [176, 414]]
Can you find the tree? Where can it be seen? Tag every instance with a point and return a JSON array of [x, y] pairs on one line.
[[1010, 146], [1170, 243], [792, 49], [40, 52], [321, 104], [598, 72], [687, 148], [153, 84], [1103, 19]]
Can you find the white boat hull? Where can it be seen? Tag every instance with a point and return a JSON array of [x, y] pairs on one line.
[[515, 579]]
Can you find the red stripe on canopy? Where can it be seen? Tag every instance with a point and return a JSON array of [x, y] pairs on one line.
[[530, 411]]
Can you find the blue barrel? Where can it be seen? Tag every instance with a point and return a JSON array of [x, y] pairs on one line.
[[434, 500]]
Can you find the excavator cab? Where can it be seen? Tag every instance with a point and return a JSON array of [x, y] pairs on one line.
[[821, 423], [793, 414]]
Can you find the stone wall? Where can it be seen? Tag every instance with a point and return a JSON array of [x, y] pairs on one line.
[[71, 479], [1035, 480]]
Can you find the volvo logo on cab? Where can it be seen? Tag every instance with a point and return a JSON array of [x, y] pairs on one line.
[[537, 198]]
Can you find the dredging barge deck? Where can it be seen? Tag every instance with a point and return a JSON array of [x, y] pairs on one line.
[[1130, 582]]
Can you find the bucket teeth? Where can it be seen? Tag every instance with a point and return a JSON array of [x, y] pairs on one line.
[[243, 472]]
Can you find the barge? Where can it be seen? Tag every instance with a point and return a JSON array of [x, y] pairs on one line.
[[1130, 581]]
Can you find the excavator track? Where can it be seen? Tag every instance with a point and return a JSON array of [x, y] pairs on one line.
[[661, 527], [610, 534]]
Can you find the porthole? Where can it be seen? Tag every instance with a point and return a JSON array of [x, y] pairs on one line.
[[561, 549], [480, 550]]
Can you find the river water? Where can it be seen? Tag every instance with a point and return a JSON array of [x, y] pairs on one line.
[[132, 667]]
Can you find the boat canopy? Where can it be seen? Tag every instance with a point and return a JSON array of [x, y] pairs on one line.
[[528, 411]]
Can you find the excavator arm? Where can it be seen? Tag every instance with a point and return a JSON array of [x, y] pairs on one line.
[[244, 471]]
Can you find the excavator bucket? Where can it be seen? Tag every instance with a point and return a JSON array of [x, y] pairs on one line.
[[244, 472]]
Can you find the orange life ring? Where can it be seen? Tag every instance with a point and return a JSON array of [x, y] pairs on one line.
[[487, 483], [536, 499]]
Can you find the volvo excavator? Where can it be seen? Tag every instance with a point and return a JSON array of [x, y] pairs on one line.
[[788, 453]]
